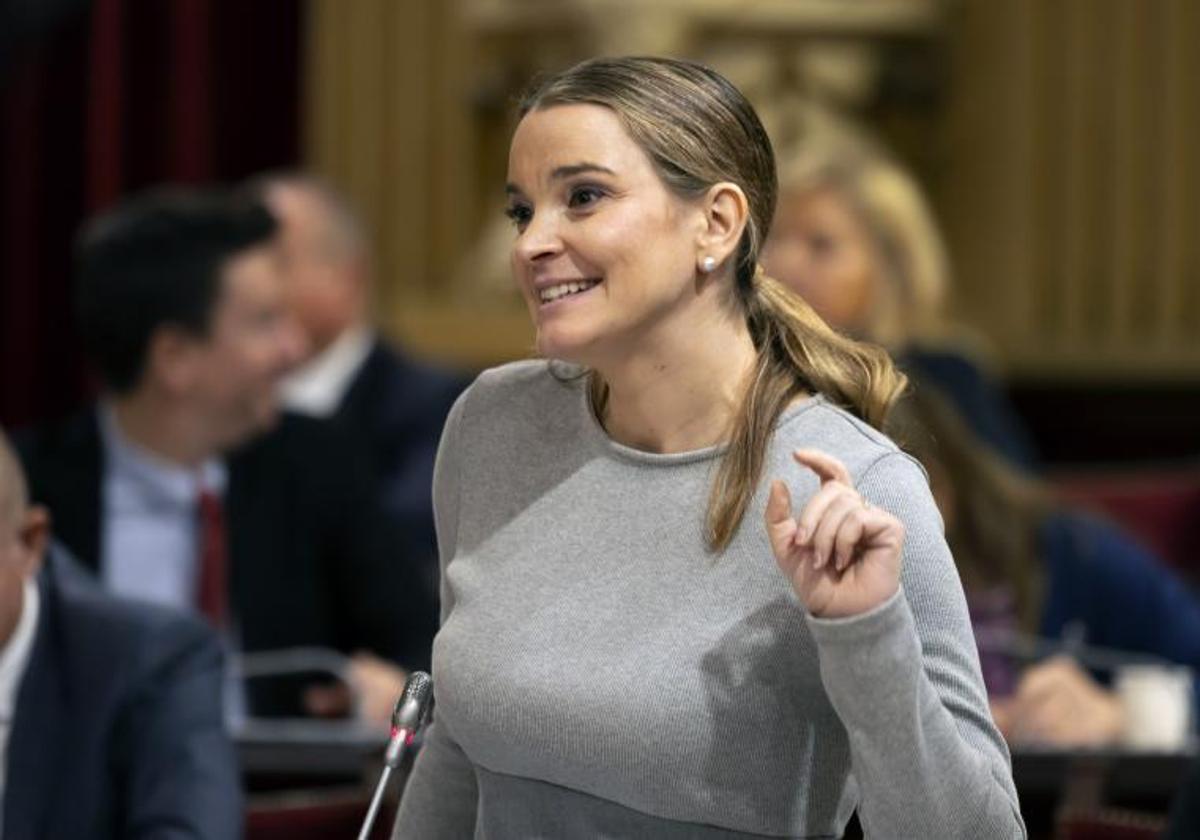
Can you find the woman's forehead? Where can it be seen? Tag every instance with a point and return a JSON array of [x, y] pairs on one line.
[[549, 140]]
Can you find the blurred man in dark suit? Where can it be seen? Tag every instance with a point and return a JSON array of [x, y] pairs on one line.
[[185, 485], [395, 405], [110, 711], [350, 373]]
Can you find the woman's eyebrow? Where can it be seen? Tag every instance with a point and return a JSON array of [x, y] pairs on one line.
[[566, 171], [579, 169]]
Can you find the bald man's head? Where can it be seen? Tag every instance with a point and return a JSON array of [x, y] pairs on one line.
[[14, 493], [325, 255], [337, 228], [24, 534]]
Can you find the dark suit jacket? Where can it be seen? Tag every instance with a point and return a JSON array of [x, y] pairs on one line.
[[397, 408], [310, 561], [118, 731], [980, 401]]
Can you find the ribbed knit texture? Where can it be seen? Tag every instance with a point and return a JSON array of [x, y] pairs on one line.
[[600, 673]]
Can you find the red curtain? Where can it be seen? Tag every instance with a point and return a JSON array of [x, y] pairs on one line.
[[121, 95]]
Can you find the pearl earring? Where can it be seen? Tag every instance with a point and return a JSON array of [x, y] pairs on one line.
[[708, 264]]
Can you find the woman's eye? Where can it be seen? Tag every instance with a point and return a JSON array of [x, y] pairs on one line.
[[821, 244], [582, 197], [519, 214]]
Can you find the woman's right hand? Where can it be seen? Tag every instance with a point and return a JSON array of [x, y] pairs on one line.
[[841, 554]]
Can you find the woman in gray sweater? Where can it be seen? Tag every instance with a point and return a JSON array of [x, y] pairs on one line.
[[689, 591]]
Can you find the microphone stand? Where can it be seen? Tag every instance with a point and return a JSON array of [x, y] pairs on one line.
[[407, 719]]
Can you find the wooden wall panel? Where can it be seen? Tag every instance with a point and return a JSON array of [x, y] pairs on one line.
[[1069, 185], [1070, 204], [387, 123]]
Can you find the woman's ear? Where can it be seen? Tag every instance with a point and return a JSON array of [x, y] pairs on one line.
[[726, 213]]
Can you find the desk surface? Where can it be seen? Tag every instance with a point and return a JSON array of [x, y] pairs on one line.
[[304, 754], [334, 749], [1126, 774]]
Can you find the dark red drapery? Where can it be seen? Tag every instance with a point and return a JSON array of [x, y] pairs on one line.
[[121, 95]]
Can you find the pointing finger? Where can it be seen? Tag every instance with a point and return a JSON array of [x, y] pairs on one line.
[[825, 466]]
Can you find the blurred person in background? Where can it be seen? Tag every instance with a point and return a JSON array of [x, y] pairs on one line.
[[1034, 569], [854, 236], [184, 485], [110, 711], [394, 405]]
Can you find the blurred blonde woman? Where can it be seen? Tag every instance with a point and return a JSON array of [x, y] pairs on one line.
[[855, 237]]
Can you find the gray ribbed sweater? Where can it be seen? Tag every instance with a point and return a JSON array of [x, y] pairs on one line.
[[600, 674]]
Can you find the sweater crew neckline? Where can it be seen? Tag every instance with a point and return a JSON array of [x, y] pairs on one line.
[[599, 438]]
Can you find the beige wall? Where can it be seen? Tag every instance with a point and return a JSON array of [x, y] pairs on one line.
[[1066, 167], [389, 122], [1072, 192]]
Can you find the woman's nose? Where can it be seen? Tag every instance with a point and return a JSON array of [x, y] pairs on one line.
[[539, 239]]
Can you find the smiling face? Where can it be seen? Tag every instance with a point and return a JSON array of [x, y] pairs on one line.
[[605, 253], [230, 375]]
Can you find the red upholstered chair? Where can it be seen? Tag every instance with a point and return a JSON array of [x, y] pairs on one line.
[[1159, 506], [317, 815], [1102, 824]]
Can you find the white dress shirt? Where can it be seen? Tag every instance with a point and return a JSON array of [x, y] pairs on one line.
[[151, 533], [14, 658], [316, 389], [150, 526]]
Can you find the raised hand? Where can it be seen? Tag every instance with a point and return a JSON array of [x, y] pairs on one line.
[[842, 555]]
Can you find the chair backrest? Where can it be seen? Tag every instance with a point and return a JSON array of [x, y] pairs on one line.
[[1109, 824], [314, 815], [1161, 507]]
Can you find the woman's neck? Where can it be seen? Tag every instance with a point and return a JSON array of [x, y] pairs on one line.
[[680, 389]]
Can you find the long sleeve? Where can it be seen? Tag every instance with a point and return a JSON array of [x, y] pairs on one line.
[[440, 797], [904, 680], [181, 778]]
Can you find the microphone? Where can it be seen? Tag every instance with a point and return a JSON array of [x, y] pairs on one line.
[[408, 717]]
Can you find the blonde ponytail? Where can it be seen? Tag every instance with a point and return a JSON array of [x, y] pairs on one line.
[[797, 353]]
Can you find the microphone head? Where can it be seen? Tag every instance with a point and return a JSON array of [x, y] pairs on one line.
[[411, 708]]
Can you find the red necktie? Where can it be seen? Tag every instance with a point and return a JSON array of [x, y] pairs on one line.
[[212, 585]]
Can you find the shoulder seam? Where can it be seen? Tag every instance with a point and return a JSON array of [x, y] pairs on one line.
[[895, 453], [888, 446]]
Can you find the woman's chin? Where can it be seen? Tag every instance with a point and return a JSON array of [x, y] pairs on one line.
[[562, 345]]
